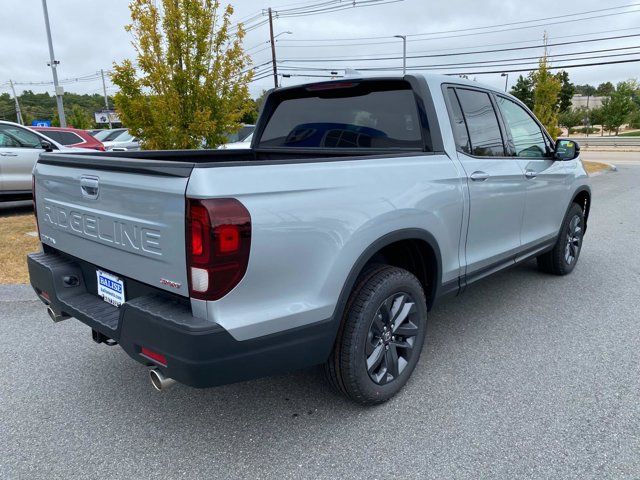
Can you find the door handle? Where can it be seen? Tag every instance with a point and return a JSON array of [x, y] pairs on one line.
[[479, 176], [8, 154], [530, 174]]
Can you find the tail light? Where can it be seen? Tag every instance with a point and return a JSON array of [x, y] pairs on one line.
[[218, 245]]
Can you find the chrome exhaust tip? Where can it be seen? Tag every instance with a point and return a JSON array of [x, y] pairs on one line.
[[159, 381], [56, 317]]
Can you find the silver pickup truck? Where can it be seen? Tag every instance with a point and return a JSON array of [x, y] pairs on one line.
[[360, 203]]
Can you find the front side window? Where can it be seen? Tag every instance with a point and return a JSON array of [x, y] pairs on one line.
[[353, 117], [482, 123], [16, 137], [527, 136]]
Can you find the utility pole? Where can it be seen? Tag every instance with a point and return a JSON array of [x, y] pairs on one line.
[[273, 49], [106, 99], [404, 52], [15, 97], [53, 64]]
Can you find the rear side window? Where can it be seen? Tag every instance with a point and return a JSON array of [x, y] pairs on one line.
[[457, 123], [355, 117], [64, 138], [482, 123]]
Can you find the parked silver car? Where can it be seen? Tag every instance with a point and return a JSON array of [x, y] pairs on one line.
[[20, 148]]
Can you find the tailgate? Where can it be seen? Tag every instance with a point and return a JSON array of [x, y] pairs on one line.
[[128, 221]]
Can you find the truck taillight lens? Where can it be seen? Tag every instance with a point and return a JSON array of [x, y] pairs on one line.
[[218, 244]]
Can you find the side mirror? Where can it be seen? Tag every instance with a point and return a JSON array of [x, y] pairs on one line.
[[566, 150], [48, 146]]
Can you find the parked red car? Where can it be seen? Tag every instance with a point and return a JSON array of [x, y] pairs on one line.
[[71, 137]]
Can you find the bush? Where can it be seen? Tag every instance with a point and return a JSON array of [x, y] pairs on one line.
[[584, 130]]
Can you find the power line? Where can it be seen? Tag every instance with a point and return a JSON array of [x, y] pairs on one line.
[[571, 15], [487, 62], [473, 52]]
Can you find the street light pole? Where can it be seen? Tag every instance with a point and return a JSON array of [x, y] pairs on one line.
[[54, 63], [15, 97], [106, 99], [506, 82], [404, 52]]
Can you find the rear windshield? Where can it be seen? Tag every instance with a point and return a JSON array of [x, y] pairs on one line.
[[383, 115], [64, 138]]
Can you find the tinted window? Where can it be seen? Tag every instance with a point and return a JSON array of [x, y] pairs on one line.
[[16, 137], [354, 117], [525, 132], [482, 123], [457, 123], [65, 138]]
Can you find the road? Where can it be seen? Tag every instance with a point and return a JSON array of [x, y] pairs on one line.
[[525, 376]]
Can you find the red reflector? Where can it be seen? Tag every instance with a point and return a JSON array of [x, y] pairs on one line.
[[45, 295], [161, 359], [228, 238]]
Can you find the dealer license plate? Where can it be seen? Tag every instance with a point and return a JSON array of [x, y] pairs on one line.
[[110, 288]]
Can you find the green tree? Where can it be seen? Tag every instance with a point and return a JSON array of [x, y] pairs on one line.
[[605, 89], [79, 118], [545, 97], [618, 106], [586, 90], [572, 117], [567, 90], [523, 90], [190, 86]]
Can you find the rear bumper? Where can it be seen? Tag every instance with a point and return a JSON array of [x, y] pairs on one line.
[[198, 353]]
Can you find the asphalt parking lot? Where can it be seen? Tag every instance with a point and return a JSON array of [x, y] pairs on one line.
[[525, 376]]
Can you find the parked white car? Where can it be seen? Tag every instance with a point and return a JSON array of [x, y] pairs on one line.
[[125, 142], [246, 143], [20, 148]]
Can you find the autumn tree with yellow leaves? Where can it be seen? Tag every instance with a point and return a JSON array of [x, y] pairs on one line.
[[189, 85]]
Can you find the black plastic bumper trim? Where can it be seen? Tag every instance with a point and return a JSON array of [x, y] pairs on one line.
[[198, 353]]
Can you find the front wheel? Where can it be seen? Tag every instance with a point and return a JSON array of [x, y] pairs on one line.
[[381, 338], [564, 256]]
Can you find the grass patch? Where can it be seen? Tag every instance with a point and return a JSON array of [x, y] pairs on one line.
[[593, 167], [630, 134], [15, 243]]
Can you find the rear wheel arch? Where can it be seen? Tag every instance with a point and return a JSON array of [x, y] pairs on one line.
[[419, 245]]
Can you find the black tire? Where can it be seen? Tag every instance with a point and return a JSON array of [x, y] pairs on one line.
[[564, 256], [369, 333]]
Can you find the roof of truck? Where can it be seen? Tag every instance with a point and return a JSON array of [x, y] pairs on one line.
[[432, 80]]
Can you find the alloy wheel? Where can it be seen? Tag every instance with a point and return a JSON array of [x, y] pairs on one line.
[[391, 336], [574, 240]]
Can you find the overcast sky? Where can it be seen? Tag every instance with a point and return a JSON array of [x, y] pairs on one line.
[[89, 35]]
